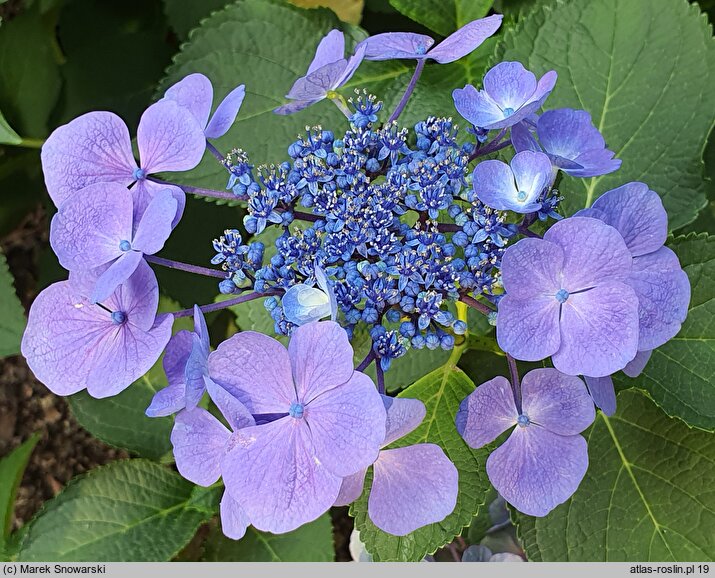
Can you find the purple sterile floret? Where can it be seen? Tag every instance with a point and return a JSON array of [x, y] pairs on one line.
[[395, 45], [328, 71], [96, 228], [517, 186], [186, 368], [72, 344], [572, 142], [96, 148], [510, 94], [412, 486], [195, 93], [324, 422], [544, 459], [567, 297]]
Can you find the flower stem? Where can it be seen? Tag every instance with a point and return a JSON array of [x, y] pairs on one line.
[[472, 302], [493, 146], [365, 363], [178, 265], [214, 151], [408, 91], [301, 216], [223, 195], [380, 378], [515, 384], [223, 304], [339, 101], [31, 143]]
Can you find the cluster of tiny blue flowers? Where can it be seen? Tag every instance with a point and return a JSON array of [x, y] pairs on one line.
[[388, 215]]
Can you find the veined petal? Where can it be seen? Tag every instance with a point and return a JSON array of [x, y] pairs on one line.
[[403, 416], [391, 45], [156, 223], [603, 393], [487, 412], [195, 93], [465, 40], [528, 329], [234, 521], [331, 49], [199, 441], [226, 113]]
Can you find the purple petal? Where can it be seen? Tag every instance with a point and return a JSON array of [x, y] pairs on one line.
[[196, 372], [273, 472], [603, 393], [351, 488], [412, 487], [567, 133], [592, 250], [536, 470], [167, 401], [352, 65], [494, 184], [465, 40], [144, 192], [176, 355], [531, 267], [523, 139], [155, 225], [599, 330], [637, 364], [403, 416], [169, 138], [477, 107], [557, 402], [316, 85], [390, 45], [116, 274], [510, 85], [532, 171], [321, 358], [87, 230], [201, 329], [195, 93], [638, 214], [528, 329], [663, 292], [295, 106], [487, 412], [256, 369], [347, 424], [199, 442], [226, 113], [236, 414], [234, 521], [93, 148], [331, 49], [592, 163]]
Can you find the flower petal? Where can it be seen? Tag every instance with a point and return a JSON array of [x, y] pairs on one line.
[[116, 274], [321, 358], [465, 40], [603, 393], [353, 62], [256, 369], [236, 414], [494, 184], [487, 412], [637, 364], [412, 487], [144, 192], [530, 268], [176, 355], [523, 139], [169, 138], [93, 148], [599, 331], [351, 488], [167, 401], [347, 424], [535, 470], [331, 49], [403, 416], [155, 225], [295, 106], [272, 471], [566, 132], [477, 107], [509, 84], [226, 113], [532, 171], [199, 441], [316, 85], [391, 45], [195, 93], [234, 521], [528, 329], [557, 402]]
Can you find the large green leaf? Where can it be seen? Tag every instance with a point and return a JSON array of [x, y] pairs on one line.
[[443, 16], [647, 495], [680, 376], [12, 315], [644, 69], [120, 420], [133, 510], [12, 467], [29, 75], [441, 391], [312, 542]]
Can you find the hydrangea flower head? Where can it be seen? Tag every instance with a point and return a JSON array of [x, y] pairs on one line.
[[319, 421], [516, 186], [510, 94], [195, 93], [96, 148], [567, 297], [396, 45], [412, 486], [572, 142], [328, 71], [544, 459], [73, 344], [97, 228]]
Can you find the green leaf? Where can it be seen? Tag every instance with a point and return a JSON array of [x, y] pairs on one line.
[[7, 134], [133, 510], [441, 391], [311, 542], [29, 75], [12, 315], [120, 420], [644, 69], [12, 468], [443, 16], [647, 495], [183, 15], [680, 376]]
